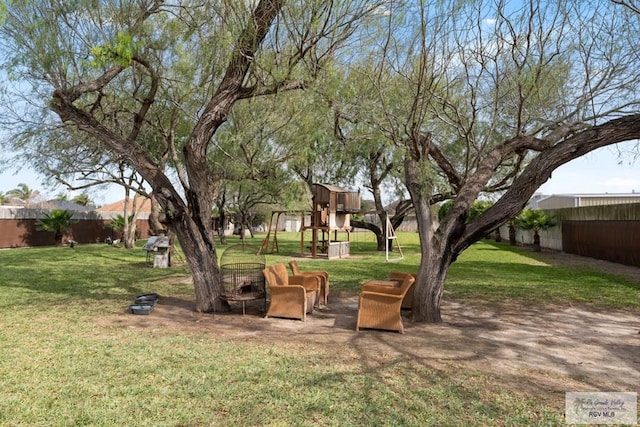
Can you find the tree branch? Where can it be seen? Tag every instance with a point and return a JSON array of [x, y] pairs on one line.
[[230, 88], [540, 168], [253, 91], [71, 94], [146, 102]]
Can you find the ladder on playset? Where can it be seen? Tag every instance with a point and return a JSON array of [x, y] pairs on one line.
[[390, 234]]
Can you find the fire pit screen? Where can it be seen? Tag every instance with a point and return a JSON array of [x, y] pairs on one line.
[[241, 271]]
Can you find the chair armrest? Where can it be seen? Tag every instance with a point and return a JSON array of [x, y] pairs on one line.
[[381, 296], [398, 276], [322, 274], [380, 288], [310, 283], [316, 273]]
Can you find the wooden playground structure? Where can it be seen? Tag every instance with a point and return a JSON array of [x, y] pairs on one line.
[[329, 218]]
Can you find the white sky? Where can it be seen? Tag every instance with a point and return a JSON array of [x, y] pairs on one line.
[[10, 179], [601, 171]]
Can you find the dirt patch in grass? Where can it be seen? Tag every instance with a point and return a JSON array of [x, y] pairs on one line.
[[541, 351]]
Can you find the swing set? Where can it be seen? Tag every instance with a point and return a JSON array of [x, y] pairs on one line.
[[331, 215]]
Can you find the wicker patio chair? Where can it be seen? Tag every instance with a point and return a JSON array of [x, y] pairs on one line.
[[323, 275], [290, 296], [407, 302], [379, 305]]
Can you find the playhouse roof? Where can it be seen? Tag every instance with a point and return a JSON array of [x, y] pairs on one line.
[[335, 188]]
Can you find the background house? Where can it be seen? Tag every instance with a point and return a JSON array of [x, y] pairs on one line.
[[112, 210], [558, 201]]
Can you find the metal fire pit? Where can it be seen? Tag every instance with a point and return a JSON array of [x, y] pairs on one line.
[[241, 272]]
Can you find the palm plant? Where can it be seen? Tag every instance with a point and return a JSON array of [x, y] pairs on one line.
[[535, 220], [82, 199], [118, 223], [123, 228], [23, 193], [58, 222]]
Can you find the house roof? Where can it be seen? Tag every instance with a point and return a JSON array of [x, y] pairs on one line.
[[596, 195], [142, 205], [62, 205], [559, 201]]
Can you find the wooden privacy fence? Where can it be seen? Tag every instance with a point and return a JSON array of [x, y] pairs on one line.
[[15, 233], [18, 227], [616, 241]]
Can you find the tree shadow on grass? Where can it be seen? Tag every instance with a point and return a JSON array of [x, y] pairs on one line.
[[534, 350], [540, 282], [563, 260], [47, 283]]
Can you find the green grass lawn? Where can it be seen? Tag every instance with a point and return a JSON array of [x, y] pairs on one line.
[[61, 366]]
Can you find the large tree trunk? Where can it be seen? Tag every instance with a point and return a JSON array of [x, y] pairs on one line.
[[129, 231], [382, 215], [155, 224], [130, 235], [512, 234], [198, 245], [191, 216], [428, 289], [536, 242], [221, 202], [434, 264], [440, 248]]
